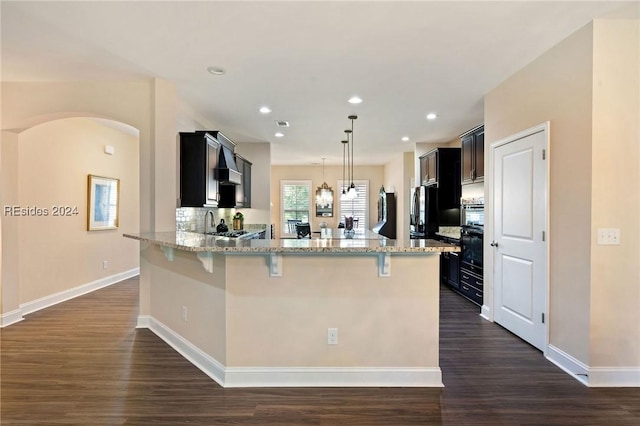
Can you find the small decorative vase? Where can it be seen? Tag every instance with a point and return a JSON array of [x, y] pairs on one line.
[[348, 223], [349, 233], [238, 224]]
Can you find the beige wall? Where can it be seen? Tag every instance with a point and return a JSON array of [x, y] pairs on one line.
[[615, 270], [374, 174], [55, 159], [556, 87], [593, 109], [398, 174], [137, 103], [260, 156], [9, 175], [242, 317]]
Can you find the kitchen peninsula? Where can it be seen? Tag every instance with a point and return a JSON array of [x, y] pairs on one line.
[[330, 311]]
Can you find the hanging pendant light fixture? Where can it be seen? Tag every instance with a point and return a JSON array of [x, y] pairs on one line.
[[345, 145], [324, 193], [352, 193]]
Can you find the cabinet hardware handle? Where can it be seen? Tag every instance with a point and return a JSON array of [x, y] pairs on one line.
[[465, 277], [478, 295], [465, 287]]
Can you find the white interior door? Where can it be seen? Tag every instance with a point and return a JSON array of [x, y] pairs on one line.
[[520, 220]]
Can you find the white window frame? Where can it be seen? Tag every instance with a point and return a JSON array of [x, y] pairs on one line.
[[363, 222], [284, 231]]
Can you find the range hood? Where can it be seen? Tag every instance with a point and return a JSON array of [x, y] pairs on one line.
[[226, 172]]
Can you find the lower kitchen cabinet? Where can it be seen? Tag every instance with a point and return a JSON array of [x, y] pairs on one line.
[[471, 286], [454, 270], [466, 283], [450, 269]]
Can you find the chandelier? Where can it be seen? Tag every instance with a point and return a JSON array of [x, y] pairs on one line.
[[324, 193]]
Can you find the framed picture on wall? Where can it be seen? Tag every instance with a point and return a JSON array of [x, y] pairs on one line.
[[103, 197]]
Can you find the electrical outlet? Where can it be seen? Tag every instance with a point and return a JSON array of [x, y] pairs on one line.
[[184, 314], [609, 236], [105, 264], [332, 336]]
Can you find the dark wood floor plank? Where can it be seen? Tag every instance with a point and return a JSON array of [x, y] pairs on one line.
[[82, 362]]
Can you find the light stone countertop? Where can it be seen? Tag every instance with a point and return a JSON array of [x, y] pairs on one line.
[[363, 242]]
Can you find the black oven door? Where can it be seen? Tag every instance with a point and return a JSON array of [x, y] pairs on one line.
[[471, 242]]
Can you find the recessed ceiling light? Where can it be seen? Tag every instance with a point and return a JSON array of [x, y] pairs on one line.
[[431, 116], [279, 135], [265, 110], [355, 100], [405, 139], [216, 70]]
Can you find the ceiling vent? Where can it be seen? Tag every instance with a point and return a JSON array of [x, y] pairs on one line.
[[280, 123]]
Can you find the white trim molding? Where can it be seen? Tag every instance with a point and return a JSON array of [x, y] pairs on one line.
[[144, 321], [54, 299], [570, 365], [207, 364], [333, 377], [485, 312], [614, 377], [236, 377], [11, 317]]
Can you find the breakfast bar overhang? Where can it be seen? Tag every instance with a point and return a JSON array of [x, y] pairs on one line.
[[257, 313]]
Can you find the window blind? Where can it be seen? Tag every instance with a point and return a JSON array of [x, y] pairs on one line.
[[295, 204], [358, 207]]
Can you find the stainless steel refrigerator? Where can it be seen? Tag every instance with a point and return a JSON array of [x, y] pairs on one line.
[[423, 219]]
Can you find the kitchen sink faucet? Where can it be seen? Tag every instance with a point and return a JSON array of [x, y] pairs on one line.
[[209, 226]]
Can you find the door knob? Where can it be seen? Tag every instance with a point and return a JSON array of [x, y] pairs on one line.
[[494, 244]]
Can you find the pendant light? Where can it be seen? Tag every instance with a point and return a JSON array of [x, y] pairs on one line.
[[352, 193], [324, 193], [345, 145]]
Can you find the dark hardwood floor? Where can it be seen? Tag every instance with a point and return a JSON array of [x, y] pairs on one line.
[[82, 362]]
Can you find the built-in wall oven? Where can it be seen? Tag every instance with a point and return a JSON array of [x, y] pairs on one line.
[[471, 239]]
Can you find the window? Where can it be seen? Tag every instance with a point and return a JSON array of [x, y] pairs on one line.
[[295, 204], [358, 207]]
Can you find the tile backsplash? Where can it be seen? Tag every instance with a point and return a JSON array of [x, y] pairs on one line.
[[191, 219]]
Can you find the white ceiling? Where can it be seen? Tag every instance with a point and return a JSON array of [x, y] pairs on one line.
[[303, 59]]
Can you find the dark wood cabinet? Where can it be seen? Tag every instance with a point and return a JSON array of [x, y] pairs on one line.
[[246, 182], [441, 168], [450, 269], [472, 146], [199, 153], [429, 168], [471, 286], [444, 267], [454, 270]]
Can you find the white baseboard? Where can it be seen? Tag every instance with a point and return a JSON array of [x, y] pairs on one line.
[[614, 377], [11, 317], [485, 312], [210, 366], [54, 299], [230, 377], [144, 321], [577, 369], [333, 377]]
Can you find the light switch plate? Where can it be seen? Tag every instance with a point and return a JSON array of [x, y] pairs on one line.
[[609, 236]]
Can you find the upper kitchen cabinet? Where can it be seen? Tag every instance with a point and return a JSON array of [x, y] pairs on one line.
[[199, 156], [429, 168], [473, 156], [440, 167]]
